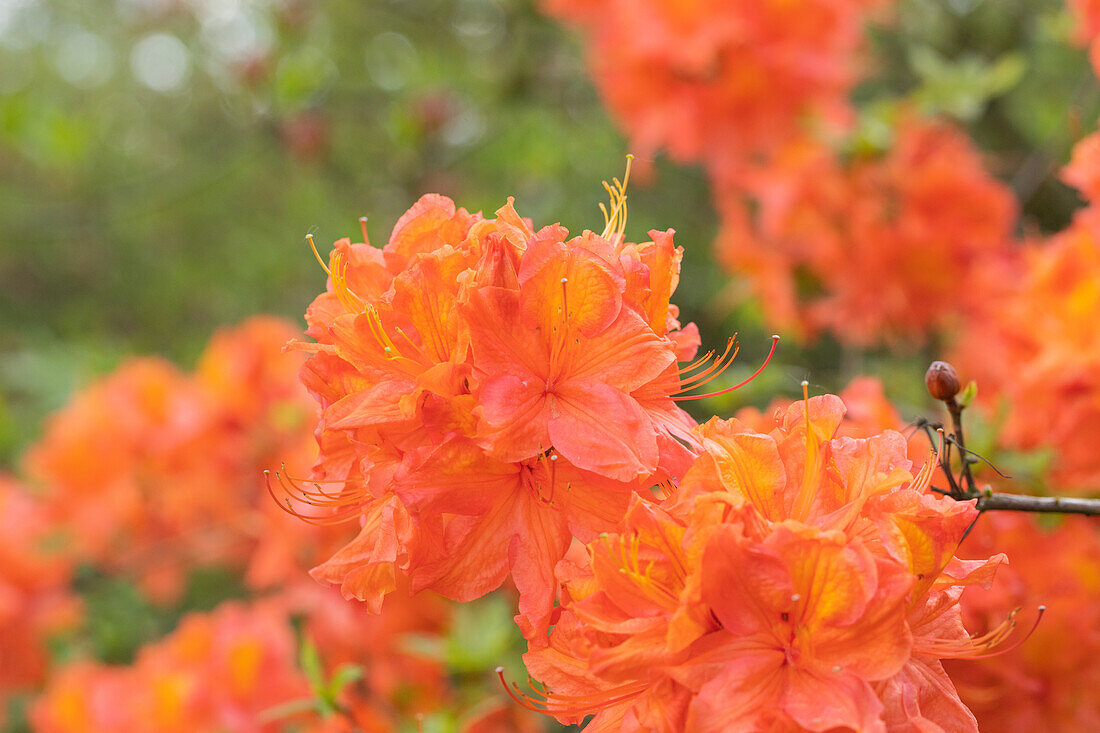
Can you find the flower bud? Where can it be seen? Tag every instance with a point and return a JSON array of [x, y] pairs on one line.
[[942, 380]]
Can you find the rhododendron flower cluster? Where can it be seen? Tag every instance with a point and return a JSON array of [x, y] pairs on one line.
[[490, 391], [874, 248], [149, 470], [35, 600], [1049, 683], [218, 671], [1037, 351], [720, 82], [794, 581]]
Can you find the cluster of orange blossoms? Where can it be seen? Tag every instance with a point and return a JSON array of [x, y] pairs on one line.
[[1037, 351], [151, 470], [914, 221], [720, 82], [238, 668], [1050, 682], [150, 473], [35, 602], [795, 581], [215, 672], [490, 392]]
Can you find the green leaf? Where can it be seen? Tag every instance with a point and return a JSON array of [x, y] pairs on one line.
[[311, 665], [968, 393], [344, 676]]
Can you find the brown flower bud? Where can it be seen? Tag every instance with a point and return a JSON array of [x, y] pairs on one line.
[[942, 380]]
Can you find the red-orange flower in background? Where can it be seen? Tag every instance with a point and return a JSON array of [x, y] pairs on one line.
[[794, 580], [149, 470], [1036, 352], [872, 250], [35, 601], [1049, 683], [1086, 16], [720, 81], [104, 461], [219, 671], [490, 391]]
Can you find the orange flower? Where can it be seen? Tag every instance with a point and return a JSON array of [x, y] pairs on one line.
[[719, 81], [1086, 15], [105, 461], [149, 470], [1050, 682], [35, 601], [220, 671], [794, 580], [489, 391], [1037, 352], [873, 251]]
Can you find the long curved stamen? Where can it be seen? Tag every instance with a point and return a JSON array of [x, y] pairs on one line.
[[923, 479], [339, 276], [321, 262], [978, 647], [716, 368], [615, 219], [697, 363], [739, 385], [562, 705], [363, 228], [346, 503]]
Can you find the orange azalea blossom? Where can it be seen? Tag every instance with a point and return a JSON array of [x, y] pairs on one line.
[[1036, 352], [1049, 683], [262, 416], [398, 684], [106, 460], [919, 219], [150, 470], [489, 391], [219, 671], [720, 81], [35, 602], [1086, 17], [794, 581]]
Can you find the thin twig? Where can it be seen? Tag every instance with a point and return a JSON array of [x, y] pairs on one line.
[[955, 410], [989, 502]]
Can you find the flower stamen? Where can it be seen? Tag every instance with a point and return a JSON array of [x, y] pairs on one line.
[[681, 397]]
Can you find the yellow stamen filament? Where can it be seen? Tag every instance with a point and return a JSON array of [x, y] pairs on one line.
[[313, 246], [692, 382], [811, 468], [553, 704], [977, 647], [631, 566], [615, 220], [716, 368], [345, 504], [923, 478]]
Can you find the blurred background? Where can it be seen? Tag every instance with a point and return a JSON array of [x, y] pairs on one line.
[[162, 160]]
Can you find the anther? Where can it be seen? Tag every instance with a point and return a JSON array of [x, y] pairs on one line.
[[363, 227]]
